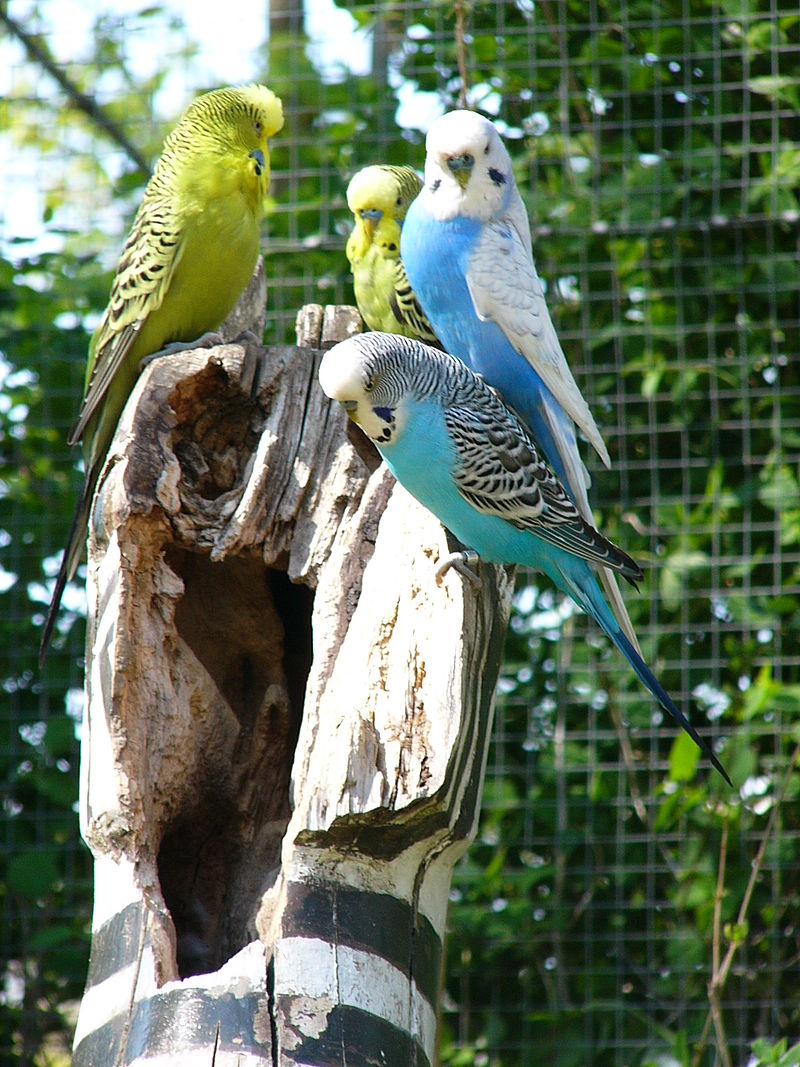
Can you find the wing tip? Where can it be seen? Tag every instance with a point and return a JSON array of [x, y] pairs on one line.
[[595, 439]]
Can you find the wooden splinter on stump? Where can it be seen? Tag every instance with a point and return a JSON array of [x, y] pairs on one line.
[[286, 726]]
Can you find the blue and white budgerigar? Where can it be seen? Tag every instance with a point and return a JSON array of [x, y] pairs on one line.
[[489, 484], [466, 247]]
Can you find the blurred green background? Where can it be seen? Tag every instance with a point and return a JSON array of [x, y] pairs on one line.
[[616, 892]]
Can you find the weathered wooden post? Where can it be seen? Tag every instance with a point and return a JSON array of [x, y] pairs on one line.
[[286, 726]]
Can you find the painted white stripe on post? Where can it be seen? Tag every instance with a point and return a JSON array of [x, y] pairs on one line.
[[305, 967], [243, 975], [309, 967], [106, 1000], [114, 889], [202, 1057]]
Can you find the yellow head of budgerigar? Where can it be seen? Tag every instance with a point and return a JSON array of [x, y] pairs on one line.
[[225, 133], [379, 197]]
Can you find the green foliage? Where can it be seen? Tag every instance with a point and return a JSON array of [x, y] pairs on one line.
[[777, 1054], [44, 872]]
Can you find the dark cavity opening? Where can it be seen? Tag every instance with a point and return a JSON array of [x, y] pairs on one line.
[[250, 627]]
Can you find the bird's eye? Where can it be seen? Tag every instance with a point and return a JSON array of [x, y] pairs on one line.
[[371, 382], [399, 201], [257, 126], [486, 149]]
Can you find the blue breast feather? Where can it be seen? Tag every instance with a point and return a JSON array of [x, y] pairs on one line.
[[439, 281]]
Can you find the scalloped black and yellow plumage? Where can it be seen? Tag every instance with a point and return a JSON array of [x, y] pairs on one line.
[[379, 197]]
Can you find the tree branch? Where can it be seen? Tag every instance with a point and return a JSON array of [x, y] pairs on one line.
[[719, 977], [461, 54], [38, 53]]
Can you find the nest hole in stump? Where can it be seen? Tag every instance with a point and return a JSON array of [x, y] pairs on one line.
[[250, 627]]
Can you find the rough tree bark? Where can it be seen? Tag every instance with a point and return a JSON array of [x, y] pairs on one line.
[[286, 725]]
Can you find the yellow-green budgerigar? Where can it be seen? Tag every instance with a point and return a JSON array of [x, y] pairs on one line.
[[379, 197], [190, 253]]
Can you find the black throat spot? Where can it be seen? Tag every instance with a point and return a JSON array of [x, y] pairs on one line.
[[386, 415]]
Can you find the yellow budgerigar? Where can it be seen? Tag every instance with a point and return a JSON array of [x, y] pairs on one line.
[[379, 197], [190, 253]]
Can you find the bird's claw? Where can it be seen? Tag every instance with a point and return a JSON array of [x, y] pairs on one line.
[[206, 340], [247, 337], [460, 561]]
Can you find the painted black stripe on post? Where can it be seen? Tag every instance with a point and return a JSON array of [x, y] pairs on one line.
[[101, 1045], [358, 1039], [372, 922], [181, 1020], [427, 960], [385, 834], [115, 944]]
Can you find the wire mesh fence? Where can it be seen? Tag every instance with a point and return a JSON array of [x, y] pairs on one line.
[[657, 147]]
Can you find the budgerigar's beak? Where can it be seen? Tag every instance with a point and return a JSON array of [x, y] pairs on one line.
[[258, 156], [461, 167], [369, 217]]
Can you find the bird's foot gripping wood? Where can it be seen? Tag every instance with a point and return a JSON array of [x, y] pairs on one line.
[[461, 562], [207, 340]]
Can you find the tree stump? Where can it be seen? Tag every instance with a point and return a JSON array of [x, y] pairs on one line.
[[286, 724]]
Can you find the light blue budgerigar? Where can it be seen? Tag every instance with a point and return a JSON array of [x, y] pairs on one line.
[[466, 247], [489, 484]]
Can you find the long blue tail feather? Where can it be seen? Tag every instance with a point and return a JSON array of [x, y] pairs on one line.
[[590, 598]]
